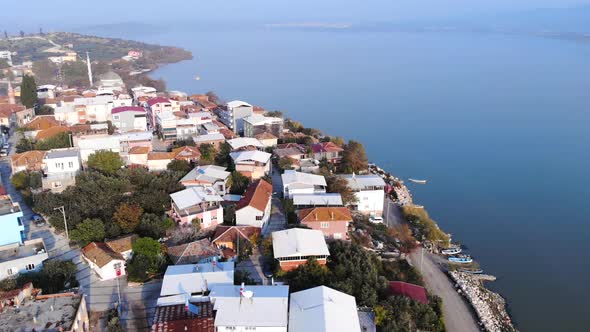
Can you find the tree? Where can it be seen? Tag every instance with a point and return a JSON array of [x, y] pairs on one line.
[[138, 268], [285, 163], [239, 183], [354, 158], [207, 153], [105, 161], [58, 141], [26, 180], [147, 247], [147, 256], [337, 184], [28, 94], [213, 97], [4, 64], [183, 142], [229, 215], [275, 114], [337, 140], [128, 216], [89, 230], [181, 166], [45, 110], [308, 275], [153, 226], [222, 158]]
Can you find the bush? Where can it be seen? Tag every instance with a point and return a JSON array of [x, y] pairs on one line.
[[153, 226], [89, 230]]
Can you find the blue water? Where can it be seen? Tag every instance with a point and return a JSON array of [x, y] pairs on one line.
[[498, 124]]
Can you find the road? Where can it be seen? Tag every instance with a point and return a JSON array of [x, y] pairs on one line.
[[138, 303], [277, 220], [392, 214], [457, 313]]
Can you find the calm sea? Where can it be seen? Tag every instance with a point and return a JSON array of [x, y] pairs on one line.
[[498, 124]]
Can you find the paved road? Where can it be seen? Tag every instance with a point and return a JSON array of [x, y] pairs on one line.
[[253, 266], [457, 313], [277, 220], [392, 214]]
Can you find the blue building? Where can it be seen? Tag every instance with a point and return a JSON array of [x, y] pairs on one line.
[[12, 228]]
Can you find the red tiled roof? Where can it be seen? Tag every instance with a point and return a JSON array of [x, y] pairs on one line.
[[160, 155], [186, 153], [325, 214], [257, 196], [139, 150], [170, 318], [326, 147], [10, 108], [230, 233], [41, 122], [50, 132], [100, 253], [121, 109], [193, 252], [157, 100], [415, 292]]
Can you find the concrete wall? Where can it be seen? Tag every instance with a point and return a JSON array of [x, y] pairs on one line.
[[331, 232], [370, 201], [12, 228]]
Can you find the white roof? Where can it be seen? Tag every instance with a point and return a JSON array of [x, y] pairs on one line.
[[299, 242], [200, 115], [360, 182], [255, 155], [98, 100], [195, 195], [268, 306], [137, 136], [323, 309], [331, 199], [237, 103], [240, 142], [196, 278], [293, 177], [166, 115], [209, 137], [208, 174], [257, 119]]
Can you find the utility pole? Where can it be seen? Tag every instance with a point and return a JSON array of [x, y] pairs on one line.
[[63, 212], [119, 309]]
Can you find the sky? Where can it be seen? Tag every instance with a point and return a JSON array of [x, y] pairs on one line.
[[61, 13]]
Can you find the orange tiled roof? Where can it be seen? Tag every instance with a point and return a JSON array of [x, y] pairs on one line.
[[325, 214], [32, 160], [122, 244], [186, 152], [100, 253], [160, 155], [50, 132], [139, 150], [257, 196], [41, 122], [230, 233]]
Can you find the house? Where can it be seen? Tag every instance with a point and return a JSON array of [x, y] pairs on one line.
[[132, 139], [15, 297], [197, 203], [143, 91], [267, 139], [302, 183], [322, 309], [257, 124], [60, 167], [245, 143], [27, 161], [327, 150], [190, 279], [208, 176], [138, 155], [226, 237], [65, 312], [158, 105], [158, 161], [51, 132], [18, 258], [196, 252], [190, 154], [7, 113], [111, 81], [293, 247], [414, 292], [129, 118], [331, 221], [294, 152], [301, 201], [250, 308], [214, 139], [11, 221], [24, 116], [42, 122], [369, 191], [254, 208], [181, 125], [46, 91], [233, 114], [108, 259], [190, 317], [252, 164], [89, 144]]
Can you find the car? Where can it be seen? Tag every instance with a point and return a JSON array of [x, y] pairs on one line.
[[267, 271], [375, 219], [6, 146], [3, 153], [38, 220]]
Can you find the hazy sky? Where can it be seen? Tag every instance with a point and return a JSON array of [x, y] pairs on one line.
[[16, 14]]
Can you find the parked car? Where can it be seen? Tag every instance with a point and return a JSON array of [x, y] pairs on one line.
[[266, 270], [38, 220], [6, 146], [376, 220], [3, 153]]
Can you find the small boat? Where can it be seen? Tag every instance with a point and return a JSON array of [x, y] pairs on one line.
[[461, 259], [197, 78], [479, 271], [417, 181], [451, 251]]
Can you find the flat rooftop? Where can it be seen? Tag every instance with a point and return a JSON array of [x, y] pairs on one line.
[[15, 251], [42, 315], [7, 207]]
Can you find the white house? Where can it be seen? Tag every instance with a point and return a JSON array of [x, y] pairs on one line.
[[129, 118], [254, 208], [60, 167], [293, 247], [89, 144], [250, 308], [18, 258], [104, 261], [369, 191], [197, 203], [302, 183], [188, 279], [323, 309], [313, 200], [234, 113], [207, 176], [245, 142], [252, 164]]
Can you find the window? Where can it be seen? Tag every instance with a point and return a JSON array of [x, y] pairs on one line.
[[117, 266], [337, 236], [11, 271], [230, 328], [59, 165], [115, 117], [250, 328], [324, 224], [30, 267], [56, 184], [71, 164], [259, 218]]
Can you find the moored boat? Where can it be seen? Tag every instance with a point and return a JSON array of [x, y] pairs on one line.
[[460, 259], [451, 251], [417, 181], [472, 271]]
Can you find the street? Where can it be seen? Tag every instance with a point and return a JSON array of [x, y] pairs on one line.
[[392, 214], [457, 313], [277, 220]]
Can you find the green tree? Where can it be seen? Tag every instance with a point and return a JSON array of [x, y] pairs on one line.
[[127, 216], [105, 161], [87, 231], [337, 184], [307, 276], [275, 114], [183, 142], [45, 110], [207, 153], [222, 158], [58, 141], [28, 94], [354, 158], [181, 166], [285, 163], [147, 247], [239, 183], [26, 180], [138, 268], [229, 215], [153, 226]]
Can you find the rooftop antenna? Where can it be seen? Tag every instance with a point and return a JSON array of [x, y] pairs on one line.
[[89, 69]]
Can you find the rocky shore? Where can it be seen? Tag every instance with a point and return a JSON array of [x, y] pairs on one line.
[[489, 306]]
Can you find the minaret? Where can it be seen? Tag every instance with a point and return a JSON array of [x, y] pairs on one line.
[[11, 99], [89, 69]]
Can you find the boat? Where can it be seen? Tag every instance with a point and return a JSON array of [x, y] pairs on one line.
[[472, 271], [417, 181], [460, 259], [451, 251], [197, 78]]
